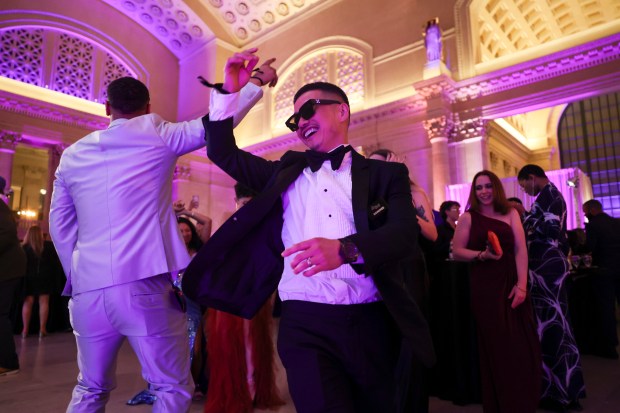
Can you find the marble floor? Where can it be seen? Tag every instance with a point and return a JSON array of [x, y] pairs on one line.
[[48, 372]]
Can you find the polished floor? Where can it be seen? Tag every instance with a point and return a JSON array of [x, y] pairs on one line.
[[48, 372]]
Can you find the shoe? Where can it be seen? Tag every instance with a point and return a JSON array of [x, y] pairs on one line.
[[24, 335], [144, 397], [7, 372], [42, 334], [575, 406]]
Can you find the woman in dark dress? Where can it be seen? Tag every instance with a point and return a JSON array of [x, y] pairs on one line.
[[545, 226], [40, 278], [510, 360]]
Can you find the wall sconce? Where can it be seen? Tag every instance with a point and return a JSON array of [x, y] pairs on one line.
[[573, 182]]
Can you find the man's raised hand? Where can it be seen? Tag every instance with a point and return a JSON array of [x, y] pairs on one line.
[[238, 69], [266, 73]]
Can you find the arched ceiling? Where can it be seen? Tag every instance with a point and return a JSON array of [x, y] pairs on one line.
[[182, 24], [505, 27], [247, 20], [170, 21]]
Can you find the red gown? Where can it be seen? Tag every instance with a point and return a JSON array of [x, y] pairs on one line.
[[228, 387], [510, 357]]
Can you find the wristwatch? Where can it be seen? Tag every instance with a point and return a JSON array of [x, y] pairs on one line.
[[348, 250]]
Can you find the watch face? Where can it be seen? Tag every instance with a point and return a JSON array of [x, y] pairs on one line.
[[350, 251]]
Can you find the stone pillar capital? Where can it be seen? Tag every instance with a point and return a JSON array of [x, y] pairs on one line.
[[9, 140], [439, 127], [470, 128]]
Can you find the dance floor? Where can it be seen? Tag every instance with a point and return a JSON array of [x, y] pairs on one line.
[[48, 373]]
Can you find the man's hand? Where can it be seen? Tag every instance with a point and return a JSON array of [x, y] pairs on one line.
[[266, 73], [315, 255], [238, 69]]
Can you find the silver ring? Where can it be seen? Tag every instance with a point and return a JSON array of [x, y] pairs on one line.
[[309, 261]]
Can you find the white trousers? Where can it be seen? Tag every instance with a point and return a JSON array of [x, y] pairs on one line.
[[147, 314]]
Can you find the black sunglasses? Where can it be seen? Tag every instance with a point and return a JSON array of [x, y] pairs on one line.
[[307, 111]]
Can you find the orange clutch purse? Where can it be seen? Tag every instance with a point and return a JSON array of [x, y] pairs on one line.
[[496, 248]]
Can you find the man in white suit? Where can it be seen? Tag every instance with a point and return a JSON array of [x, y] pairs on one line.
[[112, 223]]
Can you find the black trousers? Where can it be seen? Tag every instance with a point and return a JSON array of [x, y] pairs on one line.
[[8, 356], [339, 358]]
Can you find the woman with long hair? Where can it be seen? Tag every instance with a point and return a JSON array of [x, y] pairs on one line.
[[190, 235], [510, 358], [39, 281]]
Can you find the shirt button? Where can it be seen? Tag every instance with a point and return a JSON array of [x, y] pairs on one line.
[[325, 190], [330, 215]]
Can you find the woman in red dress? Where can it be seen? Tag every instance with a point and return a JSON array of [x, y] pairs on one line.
[[510, 359]]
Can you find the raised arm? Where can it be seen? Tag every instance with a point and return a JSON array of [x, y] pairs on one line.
[[222, 148]]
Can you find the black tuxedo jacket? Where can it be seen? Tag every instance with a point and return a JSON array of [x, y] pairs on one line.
[[603, 239], [240, 266]]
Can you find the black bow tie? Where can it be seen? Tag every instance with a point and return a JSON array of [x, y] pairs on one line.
[[315, 159]]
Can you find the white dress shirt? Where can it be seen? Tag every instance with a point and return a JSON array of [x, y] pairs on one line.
[[315, 205]]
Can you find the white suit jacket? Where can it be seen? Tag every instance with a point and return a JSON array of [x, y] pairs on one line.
[[111, 216]]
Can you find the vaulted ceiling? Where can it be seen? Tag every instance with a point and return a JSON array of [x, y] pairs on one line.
[[501, 27], [509, 26], [184, 26]]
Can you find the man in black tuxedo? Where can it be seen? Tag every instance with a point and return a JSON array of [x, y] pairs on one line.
[[603, 239], [336, 238]]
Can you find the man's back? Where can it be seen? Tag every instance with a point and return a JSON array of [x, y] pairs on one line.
[[603, 237], [116, 184]]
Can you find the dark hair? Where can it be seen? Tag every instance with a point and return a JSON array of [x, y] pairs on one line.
[[2, 184], [385, 153], [382, 152], [446, 205], [324, 86], [531, 169], [242, 191], [128, 95], [500, 204], [515, 199], [195, 243], [593, 204]]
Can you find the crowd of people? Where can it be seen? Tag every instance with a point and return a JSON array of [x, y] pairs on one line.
[[347, 246]]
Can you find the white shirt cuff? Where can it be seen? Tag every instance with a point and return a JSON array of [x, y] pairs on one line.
[[225, 106]]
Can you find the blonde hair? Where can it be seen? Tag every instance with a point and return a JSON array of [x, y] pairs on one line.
[[34, 238]]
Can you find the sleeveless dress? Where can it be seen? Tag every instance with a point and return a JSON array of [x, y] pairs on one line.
[[510, 357]]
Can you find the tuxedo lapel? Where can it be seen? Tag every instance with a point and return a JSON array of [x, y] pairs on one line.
[[360, 187]]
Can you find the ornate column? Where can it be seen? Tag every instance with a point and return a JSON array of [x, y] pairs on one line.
[[471, 151], [8, 143], [438, 130]]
